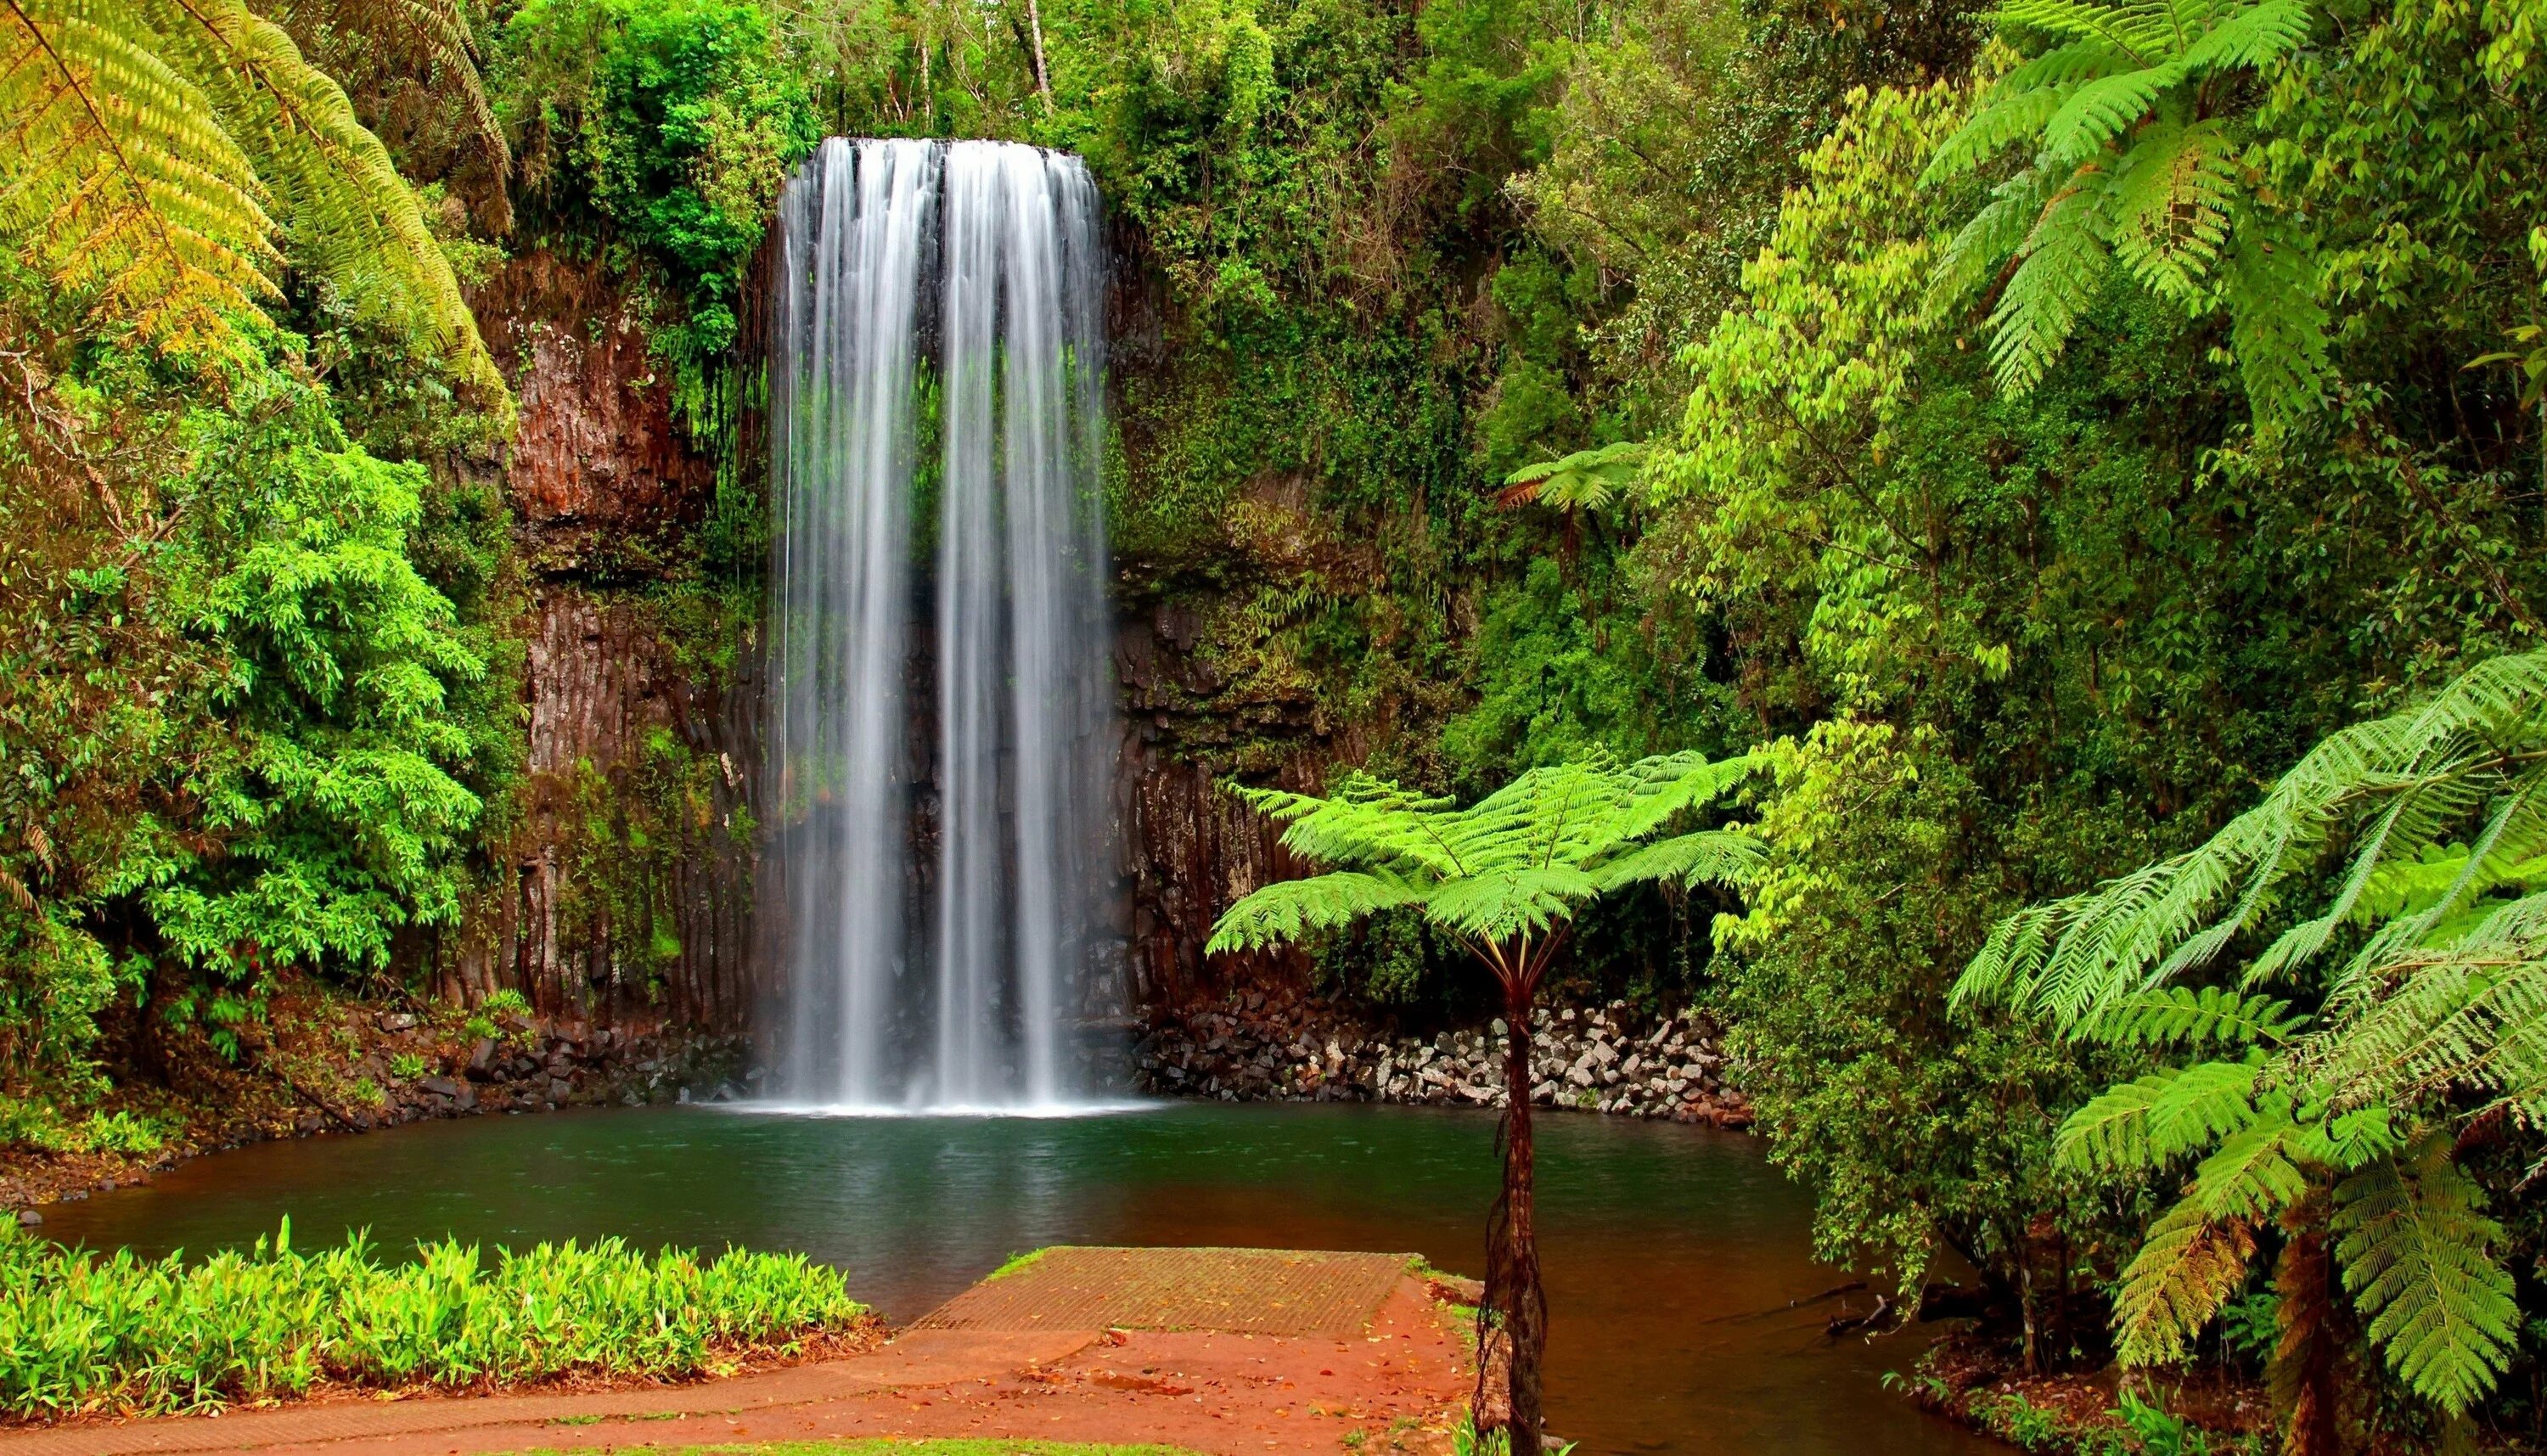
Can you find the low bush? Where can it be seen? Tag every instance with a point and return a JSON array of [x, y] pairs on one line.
[[83, 1332]]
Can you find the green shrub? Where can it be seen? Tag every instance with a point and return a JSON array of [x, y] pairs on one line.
[[122, 1132], [81, 1332]]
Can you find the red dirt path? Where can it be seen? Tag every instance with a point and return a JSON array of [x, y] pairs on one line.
[[1398, 1380]]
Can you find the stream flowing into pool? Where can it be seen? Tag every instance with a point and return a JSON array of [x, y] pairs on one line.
[[1684, 1300]]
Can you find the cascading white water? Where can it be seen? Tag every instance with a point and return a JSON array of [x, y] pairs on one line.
[[937, 323]]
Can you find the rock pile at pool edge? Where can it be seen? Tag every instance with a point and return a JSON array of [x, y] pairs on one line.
[[1287, 1049]]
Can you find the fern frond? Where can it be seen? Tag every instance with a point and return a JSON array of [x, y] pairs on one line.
[[2138, 168], [2158, 1118], [117, 180], [353, 219], [2414, 1248], [1666, 787], [2064, 261], [1287, 910], [1973, 256], [2075, 958], [2099, 112], [2471, 1016], [2185, 1271], [2172, 209], [2254, 36], [2187, 1016], [2010, 115], [2253, 1175], [1707, 857], [1503, 903], [156, 149], [2116, 24], [2276, 324]]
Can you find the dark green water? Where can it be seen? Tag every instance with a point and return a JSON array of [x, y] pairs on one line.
[[1675, 1257]]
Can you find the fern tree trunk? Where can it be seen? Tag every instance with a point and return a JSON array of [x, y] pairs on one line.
[[1512, 1319]]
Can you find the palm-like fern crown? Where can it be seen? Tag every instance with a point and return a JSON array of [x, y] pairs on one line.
[[2132, 117], [1515, 863], [1586, 480], [2423, 951], [158, 150]]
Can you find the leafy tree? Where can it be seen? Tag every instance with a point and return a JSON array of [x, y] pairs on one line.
[[2136, 115], [2409, 1034], [1505, 877], [1924, 1130], [677, 121], [160, 151]]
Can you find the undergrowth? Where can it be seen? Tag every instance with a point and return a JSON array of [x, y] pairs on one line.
[[119, 1334]]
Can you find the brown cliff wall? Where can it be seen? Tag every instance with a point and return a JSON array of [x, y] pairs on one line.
[[622, 889]]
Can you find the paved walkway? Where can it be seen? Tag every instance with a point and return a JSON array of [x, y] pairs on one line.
[[1237, 1291], [1148, 1360]]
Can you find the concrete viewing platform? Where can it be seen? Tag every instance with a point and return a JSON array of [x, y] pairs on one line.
[[1211, 1350]]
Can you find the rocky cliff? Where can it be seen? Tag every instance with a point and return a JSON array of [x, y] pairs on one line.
[[623, 884]]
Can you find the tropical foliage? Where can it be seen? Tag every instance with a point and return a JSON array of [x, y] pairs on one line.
[[2343, 1123], [84, 1333], [2020, 433], [159, 153], [1505, 878], [2134, 118]]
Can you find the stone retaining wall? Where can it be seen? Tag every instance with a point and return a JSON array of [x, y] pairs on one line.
[[1279, 1047]]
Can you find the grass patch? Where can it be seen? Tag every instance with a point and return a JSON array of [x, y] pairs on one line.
[[80, 1333], [1019, 1263]]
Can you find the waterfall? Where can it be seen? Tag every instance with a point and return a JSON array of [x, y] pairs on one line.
[[939, 644]]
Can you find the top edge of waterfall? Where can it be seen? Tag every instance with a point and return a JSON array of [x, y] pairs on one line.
[[949, 143]]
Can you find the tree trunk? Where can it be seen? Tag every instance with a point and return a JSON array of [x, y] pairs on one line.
[[1511, 1322], [1043, 78], [2305, 1376]]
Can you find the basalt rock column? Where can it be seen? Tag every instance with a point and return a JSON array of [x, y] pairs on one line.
[[937, 335]]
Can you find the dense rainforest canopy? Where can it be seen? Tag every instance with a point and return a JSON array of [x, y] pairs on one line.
[[2031, 430]]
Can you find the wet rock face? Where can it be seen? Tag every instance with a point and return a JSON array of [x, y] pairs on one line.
[[1259, 1045], [601, 480], [623, 894]]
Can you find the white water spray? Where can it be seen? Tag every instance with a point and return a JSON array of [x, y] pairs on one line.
[[937, 325]]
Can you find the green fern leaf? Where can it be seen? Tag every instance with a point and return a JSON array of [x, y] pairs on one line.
[[2414, 1250], [2158, 1118], [2253, 38], [2187, 1016], [1289, 909], [2253, 1175], [2101, 110], [158, 147], [2185, 1271], [2174, 203], [2064, 261], [2277, 325]]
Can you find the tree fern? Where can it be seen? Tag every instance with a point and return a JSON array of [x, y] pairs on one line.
[[2412, 1248], [1504, 877], [2431, 766], [2398, 858], [1586, 480], [2187, 1270], [2135, 160], [1512, 865], [159, 149], [2160, 1118]]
